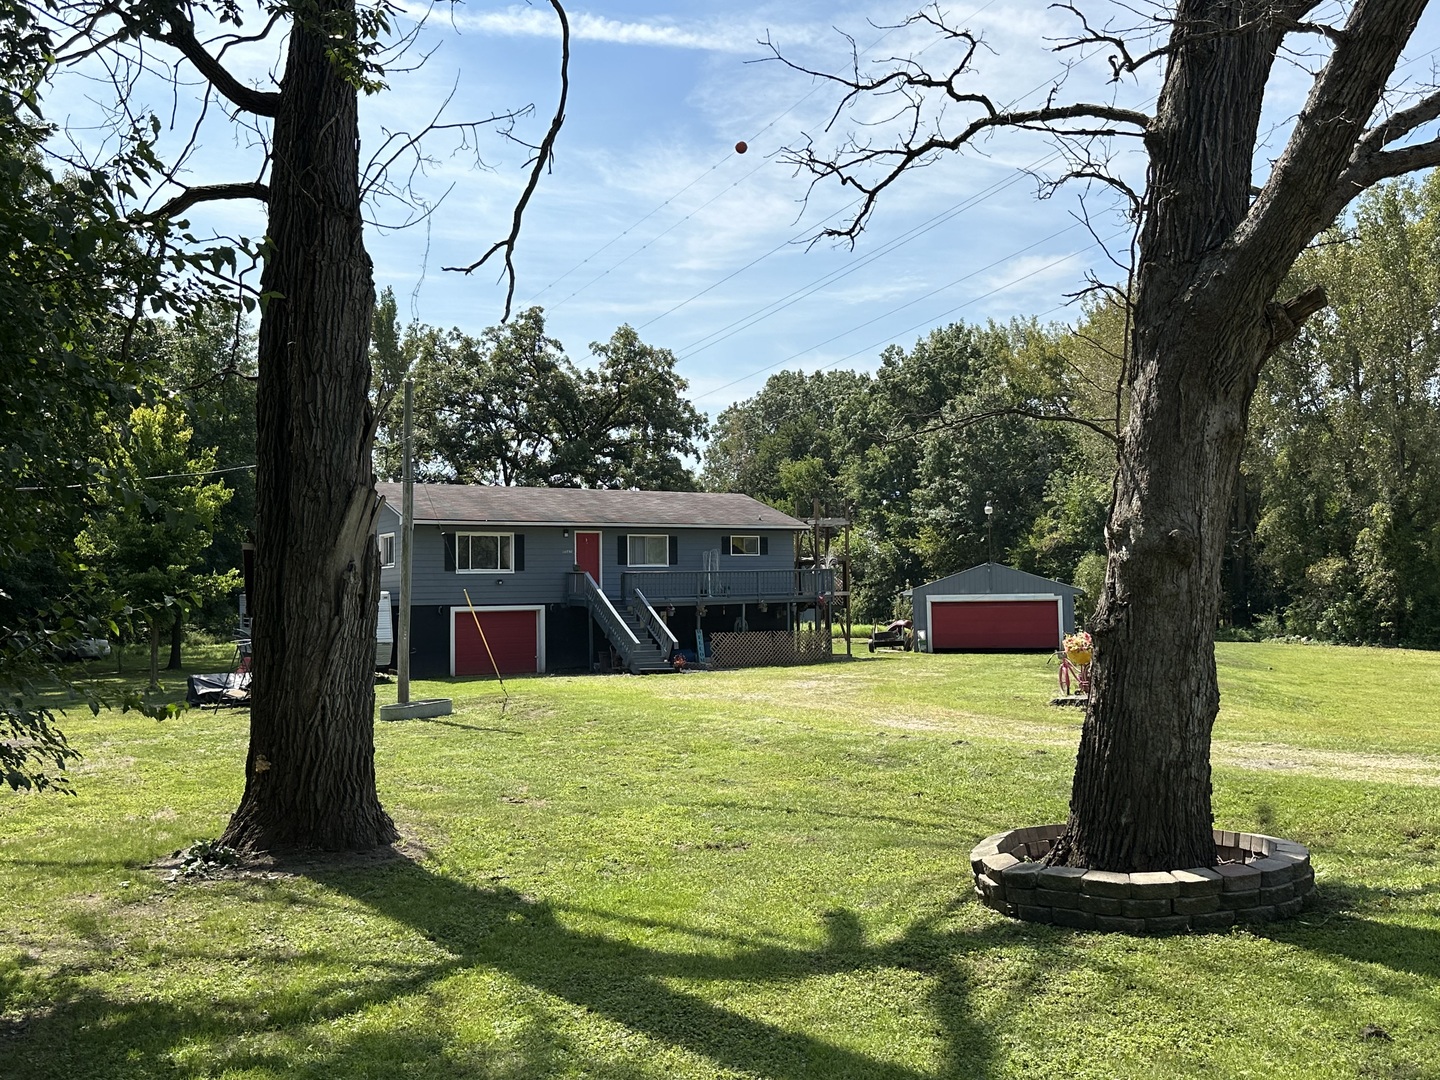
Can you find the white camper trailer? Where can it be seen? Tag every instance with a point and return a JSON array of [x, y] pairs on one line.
[[384, 634]]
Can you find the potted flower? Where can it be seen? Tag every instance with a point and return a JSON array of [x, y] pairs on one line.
[[1079, 649]]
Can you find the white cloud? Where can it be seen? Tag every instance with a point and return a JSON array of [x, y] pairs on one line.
[[723, 35]]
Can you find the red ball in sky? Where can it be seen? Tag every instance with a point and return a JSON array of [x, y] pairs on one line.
[[741, 147]]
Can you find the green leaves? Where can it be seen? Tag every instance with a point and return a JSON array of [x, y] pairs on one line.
[[509, 407], [1345, 441]]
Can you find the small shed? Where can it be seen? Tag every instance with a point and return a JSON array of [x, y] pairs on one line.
[[993, 607]]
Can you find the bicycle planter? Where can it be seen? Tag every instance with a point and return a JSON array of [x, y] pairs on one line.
[[1075, 656]]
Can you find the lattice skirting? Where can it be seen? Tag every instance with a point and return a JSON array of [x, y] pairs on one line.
[[770, 648]]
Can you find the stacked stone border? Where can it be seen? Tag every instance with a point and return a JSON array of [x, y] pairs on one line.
[[1258, 879]]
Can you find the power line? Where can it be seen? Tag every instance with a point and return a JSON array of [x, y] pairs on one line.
[[701, 176], [779, 305], [827, 279], [161, 476], [889, 338]]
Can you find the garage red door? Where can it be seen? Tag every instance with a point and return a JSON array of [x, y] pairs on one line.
[[995, 624], [512, 637]]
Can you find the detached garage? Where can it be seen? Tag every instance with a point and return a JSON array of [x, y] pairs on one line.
[[993, 608]]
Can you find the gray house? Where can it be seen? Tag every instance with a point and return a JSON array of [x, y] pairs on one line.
[[516, 580], [993, 607]]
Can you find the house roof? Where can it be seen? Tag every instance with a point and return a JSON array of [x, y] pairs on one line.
[[474, 504]]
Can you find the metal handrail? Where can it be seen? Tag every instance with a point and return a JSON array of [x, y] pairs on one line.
[[616, 629], [656, 625]]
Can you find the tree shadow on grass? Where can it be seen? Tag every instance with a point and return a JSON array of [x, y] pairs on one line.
[[1342, 924], [313, 1014], [632, 985]]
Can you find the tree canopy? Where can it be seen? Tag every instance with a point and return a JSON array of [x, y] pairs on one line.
[[509, 407]]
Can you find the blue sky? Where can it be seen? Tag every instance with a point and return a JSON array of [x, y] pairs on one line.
[[650, 217]]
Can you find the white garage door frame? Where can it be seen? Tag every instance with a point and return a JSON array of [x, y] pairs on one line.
[[539, 610], [967, 598]]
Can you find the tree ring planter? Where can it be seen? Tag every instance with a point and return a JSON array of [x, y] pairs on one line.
[[1258, 879]]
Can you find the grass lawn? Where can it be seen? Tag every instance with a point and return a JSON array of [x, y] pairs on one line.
[[738, 874]]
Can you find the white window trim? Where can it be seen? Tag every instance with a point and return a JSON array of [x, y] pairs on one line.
[[508, 570], [745, 554], [382, 538], [630, 538]]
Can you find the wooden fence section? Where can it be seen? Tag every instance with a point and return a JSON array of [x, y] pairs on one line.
[[770, 648]]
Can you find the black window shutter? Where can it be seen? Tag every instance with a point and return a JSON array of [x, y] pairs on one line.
[[725, 545], [764, 545], [518, 551], [620, 544], [674, 550], [449, 539]]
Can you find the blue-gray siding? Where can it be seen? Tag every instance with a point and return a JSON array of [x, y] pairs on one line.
[[550, 557]]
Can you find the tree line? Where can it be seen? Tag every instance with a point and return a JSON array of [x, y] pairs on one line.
[[1335, 530], [508, 406], [1335, 524]]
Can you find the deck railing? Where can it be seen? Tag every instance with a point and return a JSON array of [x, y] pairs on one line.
[[733, 586], [582, 587], [654, 625]]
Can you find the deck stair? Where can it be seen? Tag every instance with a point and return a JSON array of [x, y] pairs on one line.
[[636, 632]]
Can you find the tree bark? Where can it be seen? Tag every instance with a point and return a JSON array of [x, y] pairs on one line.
[[1210, 264], [310, 771], [154, 627], [177, 640]]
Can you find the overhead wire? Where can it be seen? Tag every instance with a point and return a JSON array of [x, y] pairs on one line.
[[703, 175], [829, 278], [924, 322], [160, 476], [702, 343]]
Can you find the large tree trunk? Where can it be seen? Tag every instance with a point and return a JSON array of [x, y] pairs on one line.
[[310, 771], [1210, 264], [1141, 797], [177, 640]]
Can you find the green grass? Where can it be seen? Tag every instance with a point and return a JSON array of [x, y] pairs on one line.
[[730, 874]]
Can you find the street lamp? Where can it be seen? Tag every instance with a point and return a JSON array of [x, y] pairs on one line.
[[989, 528]]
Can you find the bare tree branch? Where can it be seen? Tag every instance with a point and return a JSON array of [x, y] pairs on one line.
[[872, 169], [1018, 410], [181, 36], [1328, 139], [544, 153], [202, 193]]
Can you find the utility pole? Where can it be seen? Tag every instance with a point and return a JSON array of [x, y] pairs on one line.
[[404, 708], [989, 541], [407, 536]]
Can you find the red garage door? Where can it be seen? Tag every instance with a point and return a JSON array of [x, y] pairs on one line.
[[995, 624], [512, 636]]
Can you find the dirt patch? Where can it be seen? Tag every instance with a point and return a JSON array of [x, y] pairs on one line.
[[1332, 764], [272, 865]]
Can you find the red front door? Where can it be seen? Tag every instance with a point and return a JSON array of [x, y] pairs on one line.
[[587, 553]]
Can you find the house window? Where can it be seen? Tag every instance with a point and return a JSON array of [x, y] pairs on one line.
[[387, 549], [745, 545], [488, 553], [647, 550]]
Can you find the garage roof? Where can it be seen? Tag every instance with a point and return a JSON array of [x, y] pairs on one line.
[[994, 578]]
